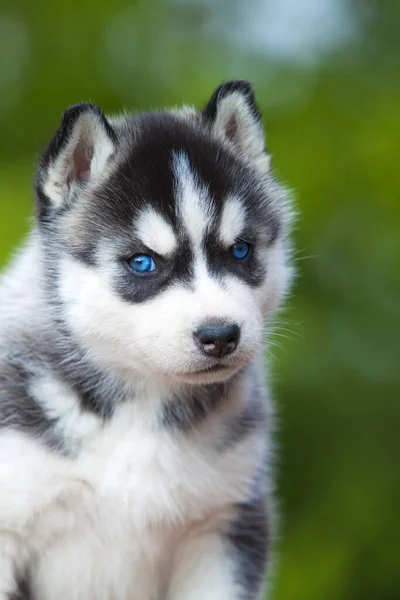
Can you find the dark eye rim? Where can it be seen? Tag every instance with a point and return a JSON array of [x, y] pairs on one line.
[[248, 255], [127, 264]]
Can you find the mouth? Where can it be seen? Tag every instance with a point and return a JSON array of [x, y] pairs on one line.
[[213, 373], [211, 369]]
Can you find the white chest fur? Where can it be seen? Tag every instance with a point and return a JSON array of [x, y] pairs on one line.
[[130, 491], [160, 476]]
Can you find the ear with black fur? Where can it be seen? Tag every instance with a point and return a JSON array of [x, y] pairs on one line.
[[77, 154], [234, 117]]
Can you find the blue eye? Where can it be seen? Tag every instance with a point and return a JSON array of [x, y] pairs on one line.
[[142, 263], [240, 250]]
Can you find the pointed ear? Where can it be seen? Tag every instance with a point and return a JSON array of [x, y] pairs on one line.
[[234, 116], [77, 154]]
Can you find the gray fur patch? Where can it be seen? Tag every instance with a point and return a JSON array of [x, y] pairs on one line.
[[248, 539], [19, 411], [251, 418], [183, 413]]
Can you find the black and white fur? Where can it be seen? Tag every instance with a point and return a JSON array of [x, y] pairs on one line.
[[133, 466]]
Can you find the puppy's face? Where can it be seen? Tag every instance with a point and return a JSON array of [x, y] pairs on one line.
[[165, 235]]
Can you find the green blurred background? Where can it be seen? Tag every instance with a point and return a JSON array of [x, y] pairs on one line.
[[327, 76]]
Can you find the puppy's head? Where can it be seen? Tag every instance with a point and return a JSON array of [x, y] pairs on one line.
[[165, 235]]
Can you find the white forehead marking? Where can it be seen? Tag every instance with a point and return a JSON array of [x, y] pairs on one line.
[[232, 221], [193, 201], [155, 232]]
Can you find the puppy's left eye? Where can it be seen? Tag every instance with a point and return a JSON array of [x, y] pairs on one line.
[[240, 250], [142, 263]]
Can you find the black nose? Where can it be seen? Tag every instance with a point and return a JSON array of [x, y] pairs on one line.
[[217, 339]]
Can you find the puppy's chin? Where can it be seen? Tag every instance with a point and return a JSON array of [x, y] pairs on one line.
[[217, 374]]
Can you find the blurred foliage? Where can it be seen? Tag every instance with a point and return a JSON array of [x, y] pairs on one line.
[[333, 124]]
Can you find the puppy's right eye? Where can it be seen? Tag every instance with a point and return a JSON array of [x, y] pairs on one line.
[[142, 263], [240, 250]]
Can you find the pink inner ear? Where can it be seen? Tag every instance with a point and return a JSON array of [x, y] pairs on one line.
[[81, 161], [231, 128]]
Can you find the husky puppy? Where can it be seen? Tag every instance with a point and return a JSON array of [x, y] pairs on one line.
[[134, 423]]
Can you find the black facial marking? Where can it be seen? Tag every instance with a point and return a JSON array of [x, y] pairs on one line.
[[248, 538], [137, 287], [221, 262], [146, 178]]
